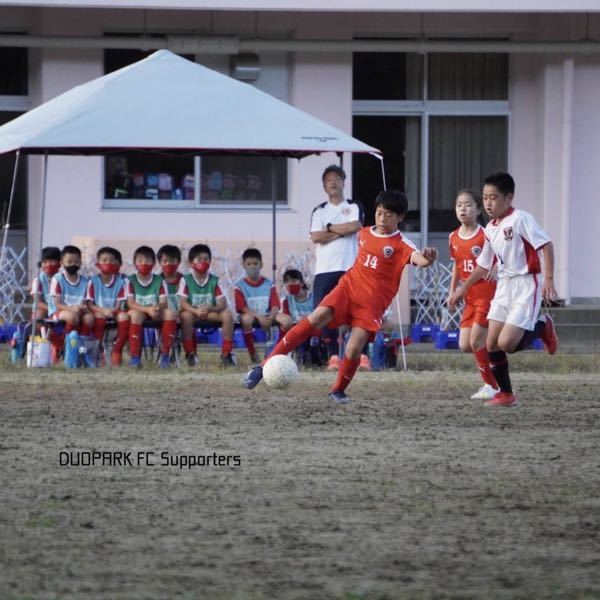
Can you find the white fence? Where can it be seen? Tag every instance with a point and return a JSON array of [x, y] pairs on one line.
[[430, 295], [13, 286], [430, 286]]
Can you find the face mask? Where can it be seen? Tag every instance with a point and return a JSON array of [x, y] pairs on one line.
[[294, 288], [107, 268], [72, 269], [201, 267], [50, 269], [253, 272], [169, 270], [144, 270]]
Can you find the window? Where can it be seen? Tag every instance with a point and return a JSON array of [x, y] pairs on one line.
[[18, 219], [467, 76], [242, 179], [401, 137], [446, 137], [13, 66], [392, 76], [157, 181], [462, 151], [14, 101]]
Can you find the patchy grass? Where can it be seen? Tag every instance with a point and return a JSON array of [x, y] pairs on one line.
[[412, 490]]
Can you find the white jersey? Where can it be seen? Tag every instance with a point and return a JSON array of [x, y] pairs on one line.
[[514, 241], [338, 255]]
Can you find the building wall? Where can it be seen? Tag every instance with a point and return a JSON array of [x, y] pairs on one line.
[[554, 127]]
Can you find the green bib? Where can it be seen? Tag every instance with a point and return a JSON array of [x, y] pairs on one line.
[[146, 295], [199, 295]]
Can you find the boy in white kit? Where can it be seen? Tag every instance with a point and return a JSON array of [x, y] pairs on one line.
[[513, 240]]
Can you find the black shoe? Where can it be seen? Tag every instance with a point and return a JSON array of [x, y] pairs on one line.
[[255, 358], [192, 359], [228, 360], [339, 397], [253, 377]]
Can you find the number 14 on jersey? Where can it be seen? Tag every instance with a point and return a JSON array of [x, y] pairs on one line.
[[371, 261]]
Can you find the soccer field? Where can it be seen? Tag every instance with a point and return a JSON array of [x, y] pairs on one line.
[[410, 491]]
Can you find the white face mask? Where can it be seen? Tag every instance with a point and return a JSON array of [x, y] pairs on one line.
[[253, 272]]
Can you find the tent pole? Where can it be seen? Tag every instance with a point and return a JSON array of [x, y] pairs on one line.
[[383, 174], [8, 214], [39, 253], [43, 215], [274, 217]]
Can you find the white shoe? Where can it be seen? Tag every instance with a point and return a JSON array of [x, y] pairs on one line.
[[487, 392]]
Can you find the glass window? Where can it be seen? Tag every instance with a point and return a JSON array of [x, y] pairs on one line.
[[13, 67], [18, 219], [387, 76], [242, 179], [462, 151], [456, 76], [135, 176], [399, 140]]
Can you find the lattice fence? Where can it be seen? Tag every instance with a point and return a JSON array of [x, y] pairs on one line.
[[431, 293], [13, 286]]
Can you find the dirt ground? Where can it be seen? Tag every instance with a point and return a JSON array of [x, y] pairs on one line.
[[411, 491]]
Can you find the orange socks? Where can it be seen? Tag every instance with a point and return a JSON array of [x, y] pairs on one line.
[[345, 374]]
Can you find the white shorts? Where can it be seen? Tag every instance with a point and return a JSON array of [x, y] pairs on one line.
[[517, 301]]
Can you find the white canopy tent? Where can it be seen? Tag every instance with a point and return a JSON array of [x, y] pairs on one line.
[[169, 105]]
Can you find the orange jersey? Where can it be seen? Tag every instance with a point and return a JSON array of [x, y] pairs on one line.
[[464, 253], [374, 279]]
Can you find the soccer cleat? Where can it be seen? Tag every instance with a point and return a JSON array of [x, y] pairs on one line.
[[365, 363], [502, 399], [339, 397], [253, 377], [255, 358], [115, 359], [486, 392], [549, 336], [228, 360], [165, 361], [135, 361], [334, 363], [192, 359]]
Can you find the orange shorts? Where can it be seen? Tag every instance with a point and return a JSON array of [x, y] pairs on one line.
[[475, 311], [348, 312]]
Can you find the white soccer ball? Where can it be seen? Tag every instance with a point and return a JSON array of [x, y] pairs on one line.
[[279, 371]]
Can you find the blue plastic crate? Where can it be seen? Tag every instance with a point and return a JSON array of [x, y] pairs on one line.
[[424, 333], [537, 344], [445, 340], [7, 331], [260, 335]]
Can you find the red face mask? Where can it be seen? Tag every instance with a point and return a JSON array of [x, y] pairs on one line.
[[107, 268], [169, 269], [201, 267], [144, 270], [50, 269], [293, 288]]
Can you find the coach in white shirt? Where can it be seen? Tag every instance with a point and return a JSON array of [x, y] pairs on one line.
[[333, 228]]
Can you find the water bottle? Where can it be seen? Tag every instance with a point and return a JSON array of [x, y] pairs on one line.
[[72, 350], [378, 355], [88, 351], [16, 347]]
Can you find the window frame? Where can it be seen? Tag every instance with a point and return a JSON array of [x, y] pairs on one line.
[[425, 109]]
